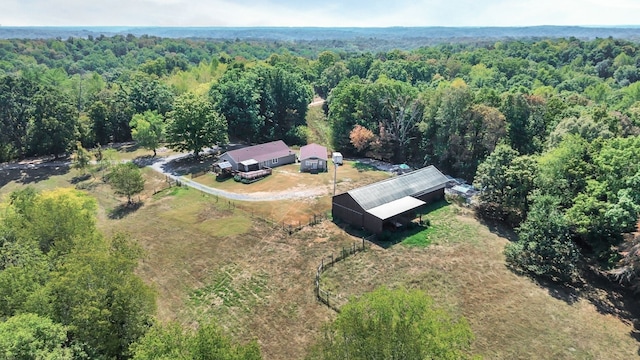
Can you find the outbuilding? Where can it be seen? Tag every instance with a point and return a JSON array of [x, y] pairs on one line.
[[391, 202], [313, 158], [250, 158]]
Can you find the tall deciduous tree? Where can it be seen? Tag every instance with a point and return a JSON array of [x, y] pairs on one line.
[[505, 180], [361, 137], [236, 96], [100, 127], [126, 179], [148, 130], [194, 124], [544, 246], [394, 324], [403, 111], [15, 110], [81, 158], [147, 93], [53, 125]]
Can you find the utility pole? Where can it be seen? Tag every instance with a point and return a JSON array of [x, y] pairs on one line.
[[335, 172]]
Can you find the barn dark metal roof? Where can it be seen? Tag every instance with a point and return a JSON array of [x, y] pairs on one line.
[[414, 183]]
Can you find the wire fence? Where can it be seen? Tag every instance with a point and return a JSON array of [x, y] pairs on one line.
[[168, 183], [333, 301]]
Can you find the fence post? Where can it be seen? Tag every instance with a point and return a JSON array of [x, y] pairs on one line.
[[363, 244]]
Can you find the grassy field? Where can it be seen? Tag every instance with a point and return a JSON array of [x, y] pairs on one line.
[[209, 258], [512, 317], [319, 128]]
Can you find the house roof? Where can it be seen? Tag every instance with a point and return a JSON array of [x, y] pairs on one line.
[[261, 152], [396, 207], [414, 183], [313, 151]]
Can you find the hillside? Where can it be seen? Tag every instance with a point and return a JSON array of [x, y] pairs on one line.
[[209, 259]]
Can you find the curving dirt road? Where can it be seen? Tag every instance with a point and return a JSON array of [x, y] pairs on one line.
[[163, 167]]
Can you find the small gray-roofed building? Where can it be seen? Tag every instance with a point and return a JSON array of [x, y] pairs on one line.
[[271, 154], [313, 158], [222, 169], [390, 201]]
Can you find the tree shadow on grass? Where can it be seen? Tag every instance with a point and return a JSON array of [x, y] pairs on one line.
[[124, 210], [80, 178], [190, 165], [146, 160], [32, 175], [499, 228], [125, 147], [606, 295]]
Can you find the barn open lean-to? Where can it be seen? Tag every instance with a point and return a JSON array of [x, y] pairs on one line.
[[390, 202]]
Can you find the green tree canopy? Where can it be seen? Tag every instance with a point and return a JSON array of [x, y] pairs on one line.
[[505, 180], [126, 179], [148, 130], [83, 289], [81, 158], [545, 246], [394, 324], [29, 336], [208, 342], [194, 124]]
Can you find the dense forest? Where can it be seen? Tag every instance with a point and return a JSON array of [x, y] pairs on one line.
[[548, 130]]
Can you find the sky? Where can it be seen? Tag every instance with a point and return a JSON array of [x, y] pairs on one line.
[[327, 13]]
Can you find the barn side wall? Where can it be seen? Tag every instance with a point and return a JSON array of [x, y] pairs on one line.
[[372, 224], [432, 197], [343, 207]]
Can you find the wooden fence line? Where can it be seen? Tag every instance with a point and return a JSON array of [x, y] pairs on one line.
[[170, 183], [324, 296], [291, 227], [199, 173]]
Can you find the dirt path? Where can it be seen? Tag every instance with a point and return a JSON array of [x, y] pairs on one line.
[[317, 102]]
